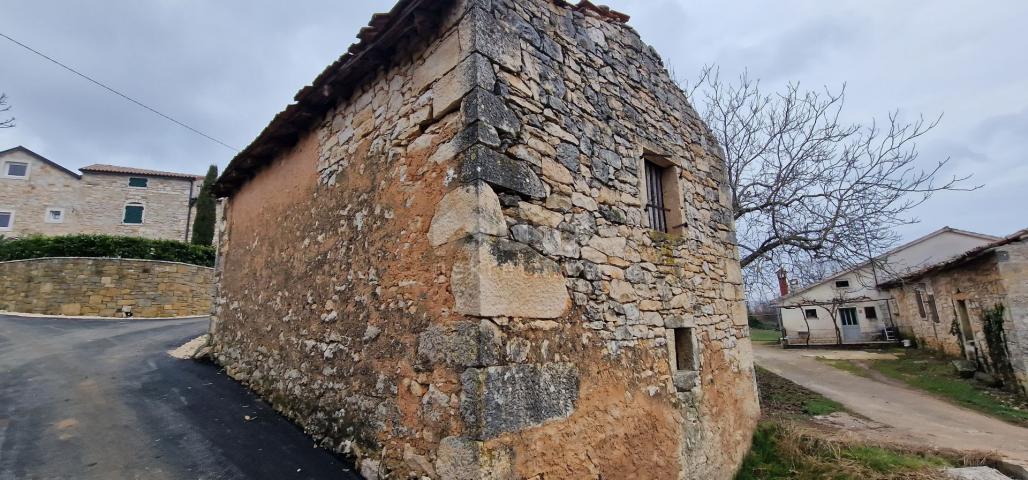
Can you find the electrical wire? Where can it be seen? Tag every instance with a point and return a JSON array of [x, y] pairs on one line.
[[122, 95]]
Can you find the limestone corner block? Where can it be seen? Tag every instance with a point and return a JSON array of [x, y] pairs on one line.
[[468, 209], [480, 32], [498, 277], [462, 343], [482, 163], [465, 459], [483, 106], [473, 71], [497, 400]]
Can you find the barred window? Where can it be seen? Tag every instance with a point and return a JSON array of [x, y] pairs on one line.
[[656, 212]]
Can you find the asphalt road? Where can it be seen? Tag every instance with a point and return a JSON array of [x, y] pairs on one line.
[[101, 399]]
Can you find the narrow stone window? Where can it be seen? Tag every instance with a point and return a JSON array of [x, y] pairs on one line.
[[138, 182], [661, 195], [133, 214], [933, 308], [919, 299], [810, 313], [685, 352], [6, 220], [842, 284], [656, 212]]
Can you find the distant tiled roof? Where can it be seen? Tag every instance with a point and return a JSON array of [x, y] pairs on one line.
[[338, 80], [101, 168]]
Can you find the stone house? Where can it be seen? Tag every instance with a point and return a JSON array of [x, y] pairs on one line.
[[39, 196], [851, 305], [493, 240], [973, 306]]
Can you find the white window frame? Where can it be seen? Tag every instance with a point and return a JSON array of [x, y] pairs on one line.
[[28, 170], [147, 179], [142, 218], [48, 219], [10, 224]]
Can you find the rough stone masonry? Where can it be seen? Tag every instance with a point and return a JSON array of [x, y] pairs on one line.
[[439, 261]]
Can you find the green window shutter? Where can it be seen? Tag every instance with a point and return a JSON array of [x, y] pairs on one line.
[[137, 182], [133, 214]]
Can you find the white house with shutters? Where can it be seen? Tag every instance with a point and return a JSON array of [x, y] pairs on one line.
[[849, 307]]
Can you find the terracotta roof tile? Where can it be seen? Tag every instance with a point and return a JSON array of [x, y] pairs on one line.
[[101, 168]]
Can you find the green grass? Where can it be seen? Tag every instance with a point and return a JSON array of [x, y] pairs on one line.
[[821, 406], [846, 365], [764, 336], [937, 376], [781, 451], [781, 397]]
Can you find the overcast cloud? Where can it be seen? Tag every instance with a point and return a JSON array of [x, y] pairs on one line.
[[227, 67]]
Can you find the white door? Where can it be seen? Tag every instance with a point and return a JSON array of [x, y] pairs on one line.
[[850, 325]]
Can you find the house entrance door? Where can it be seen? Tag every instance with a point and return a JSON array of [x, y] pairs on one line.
[[850, 325]]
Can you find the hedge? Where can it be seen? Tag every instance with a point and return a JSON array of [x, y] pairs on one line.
[[105, 246]]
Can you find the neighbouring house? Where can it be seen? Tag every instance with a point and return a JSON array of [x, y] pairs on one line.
[[850, 307], [39, 196], [493, 240], [974, 306]]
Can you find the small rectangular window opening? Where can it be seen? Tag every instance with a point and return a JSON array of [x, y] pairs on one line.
[[133, 214], [685, 355], [810, 313], [919, 299], [54, 215], [6, 219], [656, 212], [138, 182], [870, 313], [933, 308], [842, 284], [16, 169]]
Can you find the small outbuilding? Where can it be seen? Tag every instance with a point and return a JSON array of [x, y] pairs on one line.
[[493, 240], [973, 306]]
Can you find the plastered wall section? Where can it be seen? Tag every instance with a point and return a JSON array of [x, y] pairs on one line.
[[106, 287]]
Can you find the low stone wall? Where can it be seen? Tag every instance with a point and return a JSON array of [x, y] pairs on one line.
[[106, 287]]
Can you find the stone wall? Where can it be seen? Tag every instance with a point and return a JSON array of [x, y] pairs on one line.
[[999, 277], [106, 287], [451, 274], [94, 203], [167, 213]]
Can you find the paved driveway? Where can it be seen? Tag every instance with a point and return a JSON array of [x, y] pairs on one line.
[[915, 417], [100, 399]]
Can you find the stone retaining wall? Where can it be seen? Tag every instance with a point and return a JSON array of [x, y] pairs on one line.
[[106, 287]]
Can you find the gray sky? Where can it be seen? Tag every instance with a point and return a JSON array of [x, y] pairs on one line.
[[227, 67]]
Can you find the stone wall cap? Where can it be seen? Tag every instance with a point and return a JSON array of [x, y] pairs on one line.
[[146, 260]]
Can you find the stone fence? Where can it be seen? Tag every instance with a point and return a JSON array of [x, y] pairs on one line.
[[106, 287]]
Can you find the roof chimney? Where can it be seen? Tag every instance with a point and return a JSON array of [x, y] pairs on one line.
[[783, 281]]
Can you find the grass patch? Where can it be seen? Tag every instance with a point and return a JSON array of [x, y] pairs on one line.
[[783, 451], [847, 366], [781, 397], [821, 406], [937, 376], [765, 336]]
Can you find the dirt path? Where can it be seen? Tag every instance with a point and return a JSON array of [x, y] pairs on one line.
[[916, 418]]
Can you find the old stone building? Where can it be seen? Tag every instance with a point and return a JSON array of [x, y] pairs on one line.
[[39, 196], [973, 306], [493, 240]]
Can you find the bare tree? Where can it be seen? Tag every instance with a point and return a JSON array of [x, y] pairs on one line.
[[9, 122], [811, 192]]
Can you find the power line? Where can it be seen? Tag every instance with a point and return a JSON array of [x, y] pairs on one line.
[[122, 95]]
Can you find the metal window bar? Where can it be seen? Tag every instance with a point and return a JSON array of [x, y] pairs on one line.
[[655, 210]]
